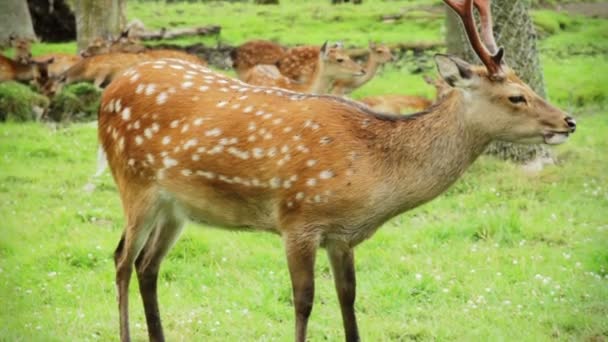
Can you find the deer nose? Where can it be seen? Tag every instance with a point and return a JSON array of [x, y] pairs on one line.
[[571, 123]]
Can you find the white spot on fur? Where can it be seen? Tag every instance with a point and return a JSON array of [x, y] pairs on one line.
[[287, 129], [166, 140], [190, 143], [196, 157], [126, 113], [325, 140], [148, 133], [198, 121], [140, 88], [275, 182], [117, 106], [185, 128], [300, 196], [169, 162], [136, 124], [139, 140], [187, 85], [150, 158], [155, 127], [186, 172], [174, 123], [216, 132], [206, 174], [203, 88], [248, 109], [311, 181], [150, 89], [161, 98], [131, 162], [311, 162], [326, 174], [222, 104], [258, 153]]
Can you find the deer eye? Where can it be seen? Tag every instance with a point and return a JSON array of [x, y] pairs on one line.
[[340, 60], [517, 99]]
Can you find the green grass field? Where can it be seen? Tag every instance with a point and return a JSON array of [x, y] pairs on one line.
[[504, 255]]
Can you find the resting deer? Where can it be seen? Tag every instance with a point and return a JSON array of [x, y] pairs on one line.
[[12, 70], [332, 63], [184, 143], [379, 54], [123, 44], [101, 69], [22, 47], [299, 62], [255, 52], [395, 103]]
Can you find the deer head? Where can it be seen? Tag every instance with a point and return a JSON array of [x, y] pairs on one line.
[[380, 52], [337, 63], [512, 111], [23, 47]]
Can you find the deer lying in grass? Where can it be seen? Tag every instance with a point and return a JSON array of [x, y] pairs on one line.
[[184, 143], [299, 63], [12, 70], [332, 63], [22, 47], [124, 43], [101, 69], [379, 54], [255, 52], [395, 103]]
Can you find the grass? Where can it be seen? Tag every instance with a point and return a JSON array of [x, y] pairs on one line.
[[503, 255]]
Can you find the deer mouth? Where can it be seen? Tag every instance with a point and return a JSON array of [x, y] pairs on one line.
[[555, 138]]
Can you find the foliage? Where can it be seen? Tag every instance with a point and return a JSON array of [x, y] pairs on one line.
[[17, 102], [76, 102]]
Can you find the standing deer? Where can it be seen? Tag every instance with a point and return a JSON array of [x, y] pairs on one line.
[[184, 143], [332, 63], [379, 54]]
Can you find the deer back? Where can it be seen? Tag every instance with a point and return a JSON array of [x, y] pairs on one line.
[[253, 53]]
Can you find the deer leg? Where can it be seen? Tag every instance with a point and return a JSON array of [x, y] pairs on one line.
[[136, 233], [147, 266], [341, 259], [301, 261]]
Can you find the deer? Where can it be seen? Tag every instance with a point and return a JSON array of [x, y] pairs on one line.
[[332, 63], [23, 48], [379, 54], [14, 70], [184, 143], [255, 52], [396, 103], [299, 62], [102, 69], [124, 43]]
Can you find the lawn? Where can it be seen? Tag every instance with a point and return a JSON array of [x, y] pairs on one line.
[[504, 255]]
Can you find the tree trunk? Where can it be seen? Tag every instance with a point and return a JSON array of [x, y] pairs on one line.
[[514, 30], [96, 18], [15, 20]]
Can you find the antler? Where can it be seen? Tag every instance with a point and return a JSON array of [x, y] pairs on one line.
[[490, 54]]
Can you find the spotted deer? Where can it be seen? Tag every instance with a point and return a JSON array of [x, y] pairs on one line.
[[123, 44], [332, 63], [255, 52], [379, 54], [102, 69], [185, 143], [299, 62], [13, 70]]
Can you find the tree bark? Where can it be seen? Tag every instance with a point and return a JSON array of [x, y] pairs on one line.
[[15, 20], [514, 30], [96, 18]]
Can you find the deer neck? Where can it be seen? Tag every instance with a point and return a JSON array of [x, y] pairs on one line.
[[425, 153], [319, 82], [371, 67]]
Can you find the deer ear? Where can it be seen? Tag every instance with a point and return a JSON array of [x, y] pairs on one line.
[[323, 50], [455, 71]]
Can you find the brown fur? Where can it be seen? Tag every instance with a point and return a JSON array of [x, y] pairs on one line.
[[396, 104], [299, 63], [333, 64], [378, 56], [255, 52], [15, 70], [184, 143]]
